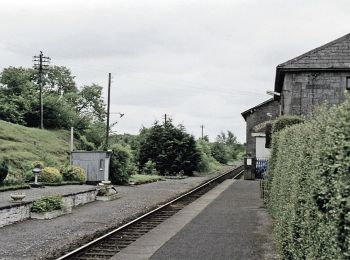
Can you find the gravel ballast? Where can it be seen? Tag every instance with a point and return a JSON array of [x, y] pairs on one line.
[[47, 239]]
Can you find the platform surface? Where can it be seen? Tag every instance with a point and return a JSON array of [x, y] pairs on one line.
[[229, 222], [36, 193]]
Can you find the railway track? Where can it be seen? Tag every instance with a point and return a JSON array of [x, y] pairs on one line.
[[113, 242]]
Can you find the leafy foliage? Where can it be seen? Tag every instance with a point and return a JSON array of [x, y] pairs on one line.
[[207, 162], [121, 166], [47, 203], [170, 148], [150, 168], [50, 175], [227, 148], [102, 191], [73, 173], [65, 105], [309, 186], [219, 152], [285, 121], [4, 170], [60, 80]]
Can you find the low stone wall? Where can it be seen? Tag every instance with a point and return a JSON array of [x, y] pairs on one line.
[[18, 212], [14, 213]]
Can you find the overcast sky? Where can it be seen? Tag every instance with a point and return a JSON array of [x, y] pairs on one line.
[[201, 62]]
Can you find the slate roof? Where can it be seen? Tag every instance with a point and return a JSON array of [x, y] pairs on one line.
[[253, 109], [332, 56]]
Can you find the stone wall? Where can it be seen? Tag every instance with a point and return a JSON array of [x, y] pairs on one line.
[[15, 213], [256, 117], [303, 91], [18, 212]]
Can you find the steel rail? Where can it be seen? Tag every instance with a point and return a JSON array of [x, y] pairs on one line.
[[83, 247]]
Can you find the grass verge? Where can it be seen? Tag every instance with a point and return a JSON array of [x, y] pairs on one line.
[[8, 187], [138, 179]]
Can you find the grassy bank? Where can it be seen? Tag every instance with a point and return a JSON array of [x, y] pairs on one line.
[[22, 145]]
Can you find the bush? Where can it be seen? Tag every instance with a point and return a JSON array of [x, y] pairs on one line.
[[285, 121], [170, 148], [38, 164], [50, 175], [207, 162], [220, 152], [120, 164], [48, 203], [149, 168], [102, 191], [309, 186], [4, 170], [73, 173]]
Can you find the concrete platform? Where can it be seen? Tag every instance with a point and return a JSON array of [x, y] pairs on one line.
[[35, 193], [73, 195], [229, 222]]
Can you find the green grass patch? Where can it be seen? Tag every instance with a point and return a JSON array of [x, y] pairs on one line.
[[137, 179], [22, 145], [7, 187]]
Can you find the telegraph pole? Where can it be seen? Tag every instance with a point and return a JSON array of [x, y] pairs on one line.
[[41, 63], [108, 107], [164, 119], [202, 126]]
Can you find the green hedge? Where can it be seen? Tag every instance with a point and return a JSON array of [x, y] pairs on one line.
[[285, 121], [309, 186]]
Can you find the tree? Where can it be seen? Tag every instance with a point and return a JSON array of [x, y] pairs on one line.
[[65, 105], [232, 146], [171, 149], [90, 102], [18, 96], [220, 152], [59, 79]]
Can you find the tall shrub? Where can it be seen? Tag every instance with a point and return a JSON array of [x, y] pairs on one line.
[[207, 162], [310, 189], [121, 165], [170, 148]]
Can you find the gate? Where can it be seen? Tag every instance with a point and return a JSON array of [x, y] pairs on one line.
[[260, 167]]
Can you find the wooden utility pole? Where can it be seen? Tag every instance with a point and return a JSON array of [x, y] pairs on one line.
[[202, 126], [108, 107], [41, 63], [164, 119]]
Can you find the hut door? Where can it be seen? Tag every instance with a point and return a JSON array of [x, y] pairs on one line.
[[101, 170]]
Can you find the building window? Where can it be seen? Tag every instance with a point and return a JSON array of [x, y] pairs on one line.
[[348, 83]]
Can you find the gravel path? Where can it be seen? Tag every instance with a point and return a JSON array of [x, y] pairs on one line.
[[46, 239]]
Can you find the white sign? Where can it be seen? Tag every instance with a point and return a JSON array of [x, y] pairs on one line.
[[249, 161]]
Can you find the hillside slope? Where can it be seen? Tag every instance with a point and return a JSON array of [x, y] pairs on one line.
[[23, 145]]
